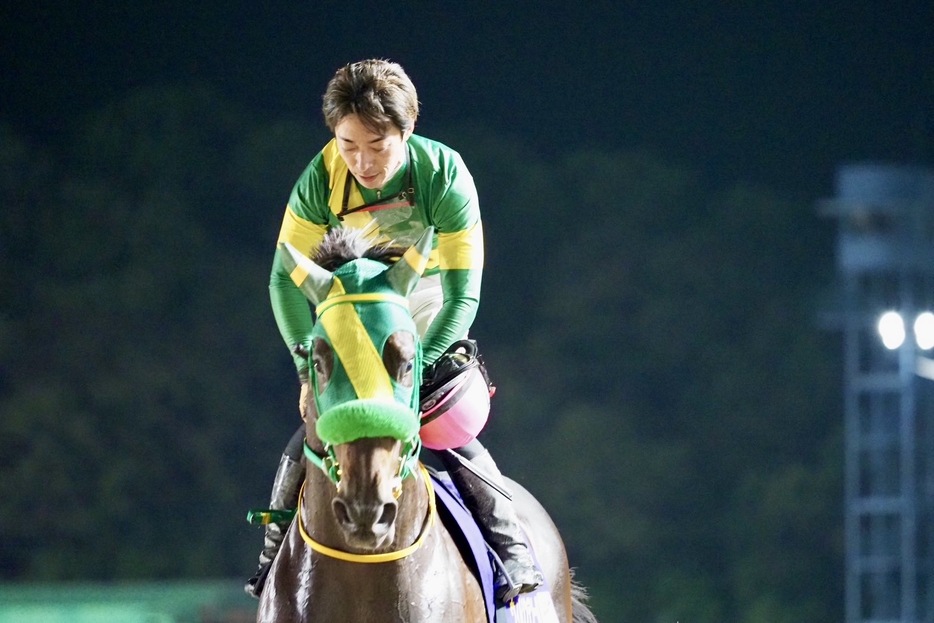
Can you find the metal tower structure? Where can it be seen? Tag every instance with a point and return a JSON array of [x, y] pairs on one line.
[[885, 260]]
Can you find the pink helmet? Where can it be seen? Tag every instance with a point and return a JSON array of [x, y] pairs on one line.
[[455, 398]]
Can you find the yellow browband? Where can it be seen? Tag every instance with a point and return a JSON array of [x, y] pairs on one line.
[[366, 297], [384, 557]]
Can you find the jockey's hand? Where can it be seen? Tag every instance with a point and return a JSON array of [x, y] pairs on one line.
[[303, 401]]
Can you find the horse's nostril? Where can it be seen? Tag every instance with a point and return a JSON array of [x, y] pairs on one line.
[[388, 515], [377, 518], [341, 511]]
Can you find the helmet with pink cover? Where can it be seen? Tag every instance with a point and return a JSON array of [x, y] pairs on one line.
[[455, 398]]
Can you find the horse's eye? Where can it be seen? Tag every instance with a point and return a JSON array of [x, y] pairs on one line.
[[399, 357], [322, 362], [406, 372]]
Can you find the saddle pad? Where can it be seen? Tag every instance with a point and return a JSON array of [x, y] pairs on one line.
[[534, 607]]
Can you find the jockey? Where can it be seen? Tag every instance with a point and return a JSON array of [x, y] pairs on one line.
[[376, 175]]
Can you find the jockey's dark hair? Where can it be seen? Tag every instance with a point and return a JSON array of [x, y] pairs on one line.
[[376, 90], [341, 245]]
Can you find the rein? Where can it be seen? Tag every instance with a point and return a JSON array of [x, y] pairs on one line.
[[373, 558]]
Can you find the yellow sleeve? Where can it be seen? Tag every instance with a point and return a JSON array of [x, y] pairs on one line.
[[461, 250], [301, 234]]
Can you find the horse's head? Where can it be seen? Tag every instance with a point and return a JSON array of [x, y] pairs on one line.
[[365, 374]]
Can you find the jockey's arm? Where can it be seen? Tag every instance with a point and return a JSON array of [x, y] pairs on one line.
[[461, 264], [289, 305]]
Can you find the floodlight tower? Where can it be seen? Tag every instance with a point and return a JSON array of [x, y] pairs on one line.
[[885, 259]]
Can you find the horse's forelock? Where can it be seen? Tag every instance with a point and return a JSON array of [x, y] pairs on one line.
[[341, 245]]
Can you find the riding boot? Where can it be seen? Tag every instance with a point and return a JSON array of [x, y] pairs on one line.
[[285, 488], [498, 522]]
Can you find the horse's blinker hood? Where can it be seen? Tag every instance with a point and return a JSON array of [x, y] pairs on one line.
[[358, 307]]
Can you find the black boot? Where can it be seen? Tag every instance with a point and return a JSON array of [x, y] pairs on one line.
[[285, 487], [498, 522]]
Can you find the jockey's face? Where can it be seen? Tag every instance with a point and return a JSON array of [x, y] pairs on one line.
[[373, 158]]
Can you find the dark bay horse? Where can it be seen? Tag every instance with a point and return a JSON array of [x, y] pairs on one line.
[[366, 544]]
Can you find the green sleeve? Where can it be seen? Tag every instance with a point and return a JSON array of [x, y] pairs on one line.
[[292, 312], [455, 213], [461, 290], [303, 226]]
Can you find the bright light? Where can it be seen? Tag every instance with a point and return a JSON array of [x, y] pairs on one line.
[[924, 330], [892, 330]]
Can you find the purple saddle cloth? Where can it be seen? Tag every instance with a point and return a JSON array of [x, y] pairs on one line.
[[536, 606]]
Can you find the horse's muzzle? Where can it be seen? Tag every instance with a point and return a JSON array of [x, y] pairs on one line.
[[366, 525]]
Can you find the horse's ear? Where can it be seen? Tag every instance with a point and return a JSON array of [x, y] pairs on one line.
[[404, 274], [314, 281]]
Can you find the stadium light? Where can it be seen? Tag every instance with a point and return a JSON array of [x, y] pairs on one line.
[[891, 329], [924, 330]]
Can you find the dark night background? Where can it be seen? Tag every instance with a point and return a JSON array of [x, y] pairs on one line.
[[648, 175]]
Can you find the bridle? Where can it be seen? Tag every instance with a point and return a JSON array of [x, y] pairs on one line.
[[329, 465], [368, 403], [327, 461]]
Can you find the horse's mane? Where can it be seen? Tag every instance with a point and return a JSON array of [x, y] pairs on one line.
[[341, 245]]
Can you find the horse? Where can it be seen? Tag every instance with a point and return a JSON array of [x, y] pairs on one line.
[[366, 544]]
